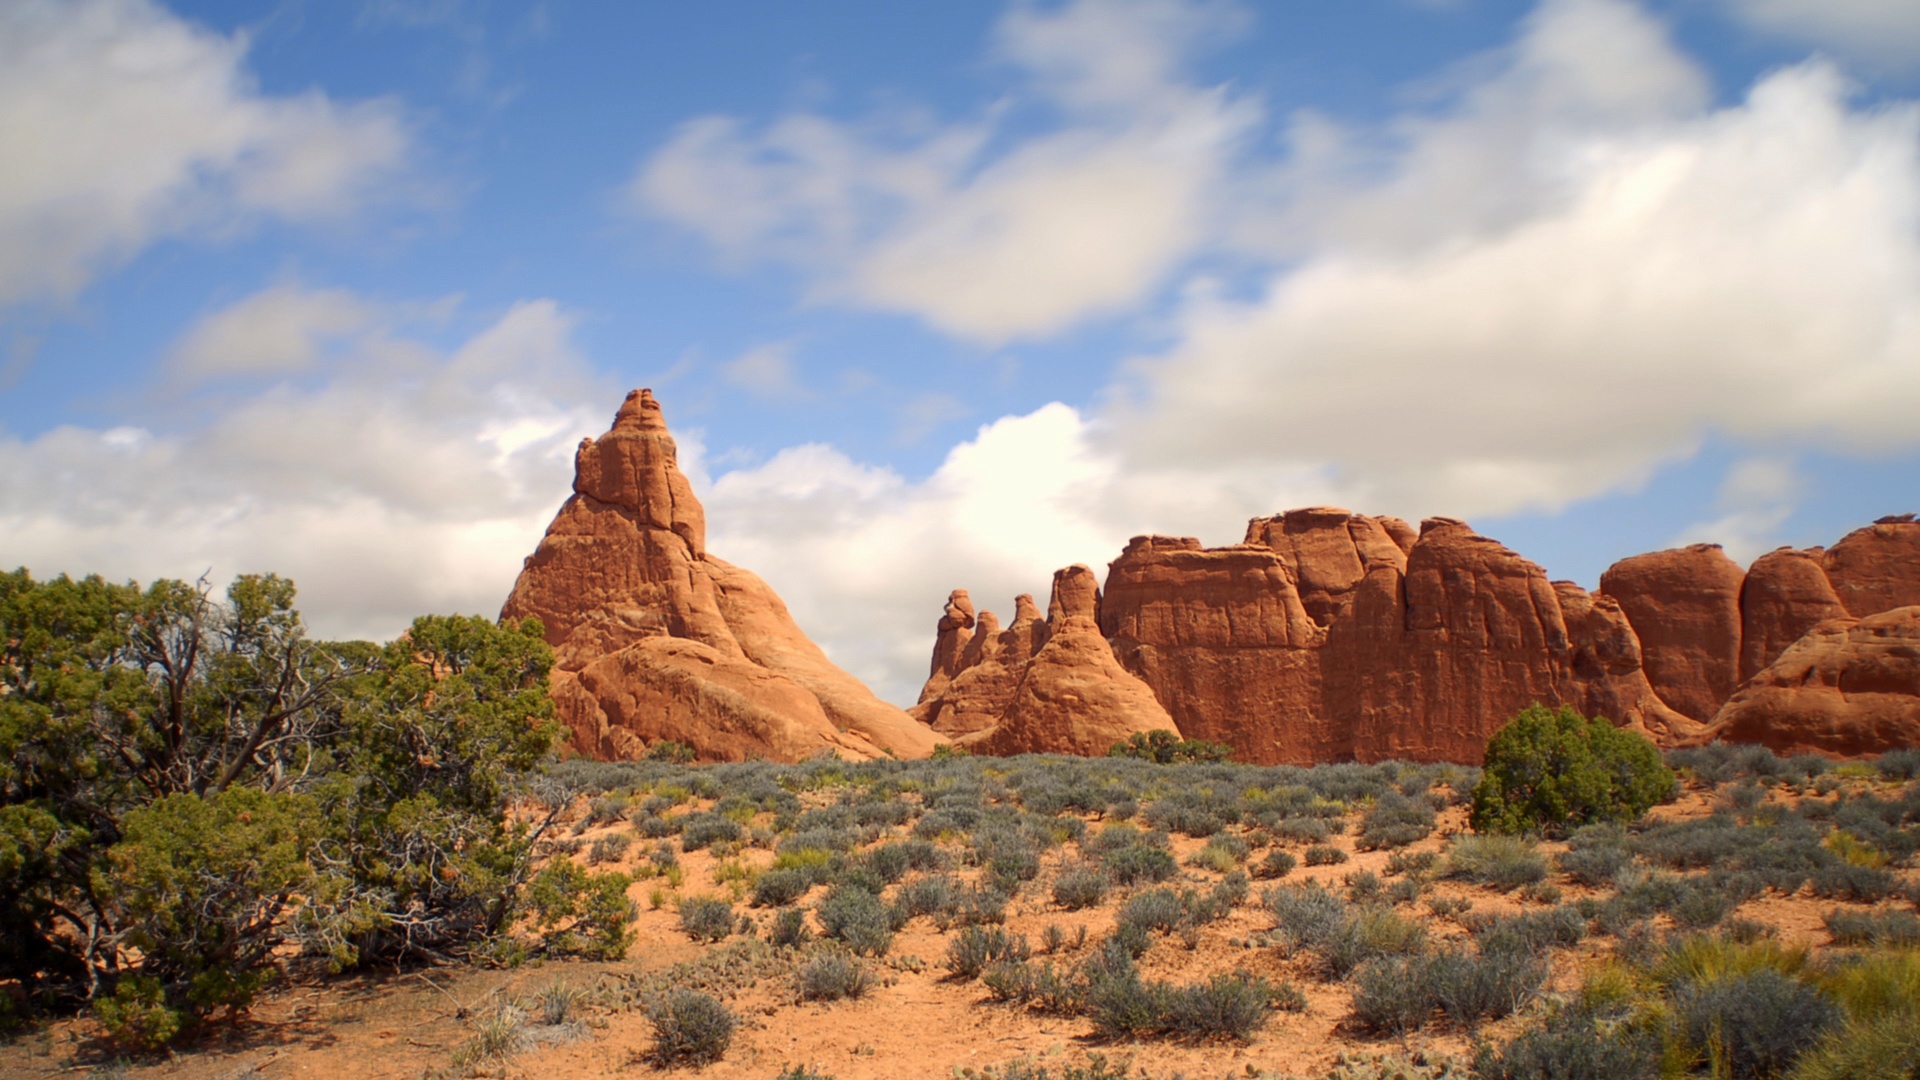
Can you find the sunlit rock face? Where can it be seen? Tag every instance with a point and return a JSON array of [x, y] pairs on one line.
[[657, 639], [1333, 636]]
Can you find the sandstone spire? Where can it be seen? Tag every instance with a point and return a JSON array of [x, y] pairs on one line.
[[657, 639]]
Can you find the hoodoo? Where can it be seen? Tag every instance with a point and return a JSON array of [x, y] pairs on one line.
[[657, 639]]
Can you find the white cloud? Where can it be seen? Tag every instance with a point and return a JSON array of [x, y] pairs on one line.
[[1882, 33], [282, 330], [414, 480], [984, 243], [124, 124], [1663, 272]]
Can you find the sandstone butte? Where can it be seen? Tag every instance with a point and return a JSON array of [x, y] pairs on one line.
[[657, 639], [1329, 636]]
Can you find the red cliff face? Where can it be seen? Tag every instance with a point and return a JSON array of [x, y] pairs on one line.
[[1849, 688], [1330, 636], [656, 639], [1685, 605]]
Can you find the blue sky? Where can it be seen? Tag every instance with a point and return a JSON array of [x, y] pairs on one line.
[[945, 295]]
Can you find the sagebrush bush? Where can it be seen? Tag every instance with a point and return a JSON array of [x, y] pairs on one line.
[[1276, 864], [856, 917], [1224, 1006], [1080, 887], [1325, 855], [1395, 821], [1557, 770], [690, 1027], [831, 976], [1139, 862], [1757, 1023], [706, 918], [789, 928], [1574, 1044], [975, 947], [1883, 929], [1502, 862]]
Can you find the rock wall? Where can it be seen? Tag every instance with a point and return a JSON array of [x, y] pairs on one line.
[[657, 639], [1327, 636]]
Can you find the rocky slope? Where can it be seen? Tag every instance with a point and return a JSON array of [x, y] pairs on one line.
[[1327, 635], [657, 639]]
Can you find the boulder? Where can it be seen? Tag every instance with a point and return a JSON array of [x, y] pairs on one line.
[[656, 639], [1850, 687]]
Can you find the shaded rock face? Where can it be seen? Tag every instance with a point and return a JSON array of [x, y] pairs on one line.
[[656, 639], [1043, 687], [1850, 687], [1329, 636]]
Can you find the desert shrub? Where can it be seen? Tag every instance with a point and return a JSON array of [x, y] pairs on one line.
[[1218, 856], [1080, 887], [1156, 909], [1301, 829], [1881, 929], [1392, 996], [690, 1028], [1139, 862], [1166, 748], [1595, 855], [187, 782], [1395, 821], [778, 888], [1555, 771], [609, 849], [1502, 862], [1412, 863], [1488, 985], [1276, 864], [655, 826], [1844, 881], [704, 830], [789, 928], [1885, 1046], [830, 976], [856, 917], [1899, 764], [1368, 933], [1531, 932], [578, 913], [1225, 1006], [1306, 915], [1756, 1023], [1325, 855], [1574, 1044], [975, 947], [1363, 886], [1117, 1000], [706, 918]]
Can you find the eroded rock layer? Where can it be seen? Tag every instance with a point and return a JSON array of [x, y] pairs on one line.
[[655, 639], [1328, 636]]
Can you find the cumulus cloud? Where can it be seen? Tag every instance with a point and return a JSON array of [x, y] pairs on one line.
[[1750, 271], [413, 480], [983, 241], [286, 329], [124, 124], [1883, 33]]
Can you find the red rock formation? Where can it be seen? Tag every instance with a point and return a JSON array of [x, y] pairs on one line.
[[656, 639], [1877, 568], [1848, 688], [1428, 667], [1331, 636], [1786, 594], [955, 632], [1051, 686], [1073, 697], [1685, 606]]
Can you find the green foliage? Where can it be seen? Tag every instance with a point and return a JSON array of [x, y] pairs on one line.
[[579, 913], [1502, 862], [1163, 747], [188, 783], [1556, 770]]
